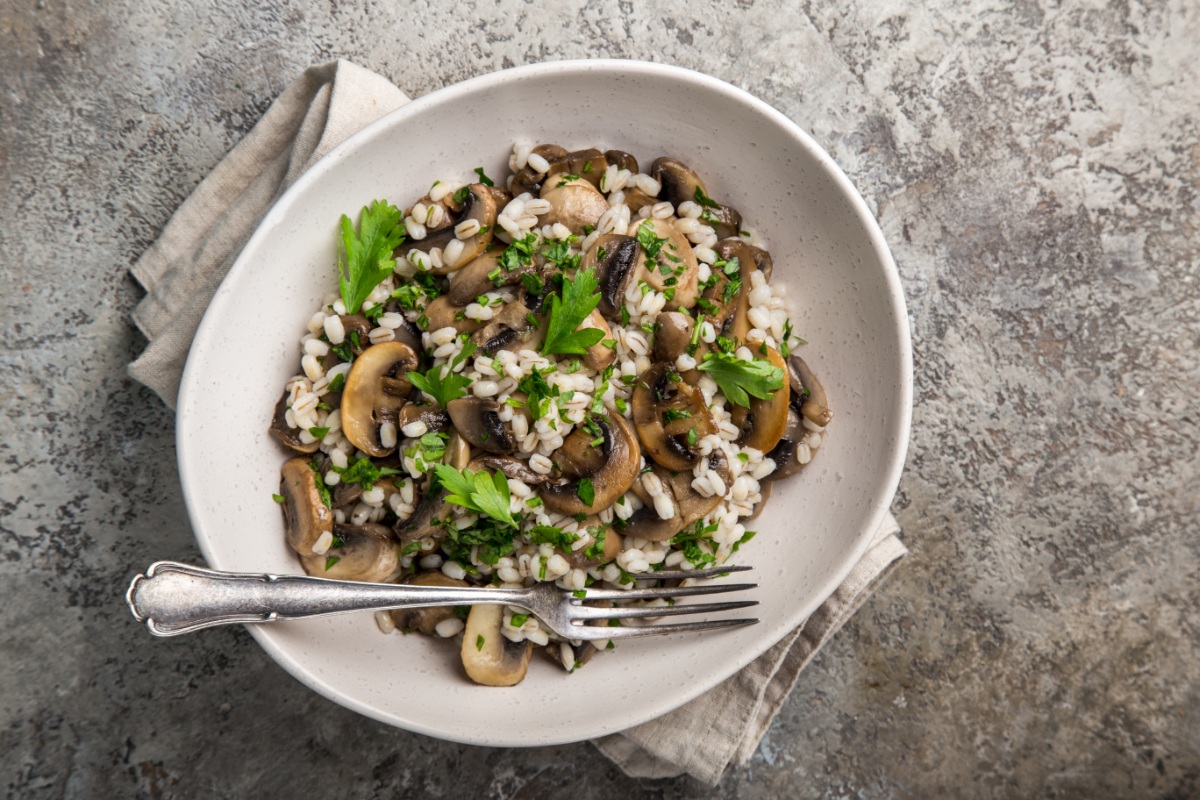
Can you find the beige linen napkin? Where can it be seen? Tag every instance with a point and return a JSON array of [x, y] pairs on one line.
[[182, 270]]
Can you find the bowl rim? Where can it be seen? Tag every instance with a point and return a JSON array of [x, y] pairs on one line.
[[279, 209]]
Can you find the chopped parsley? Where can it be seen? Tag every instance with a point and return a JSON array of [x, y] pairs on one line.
[[704, 200], [318, 433], [486, 493], [479, 642], [483, 178], [278, 498], [322, 489], [586, 491], [329, 562], [364, 472]]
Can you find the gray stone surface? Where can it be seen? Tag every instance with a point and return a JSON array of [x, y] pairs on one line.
[[1036, 170]]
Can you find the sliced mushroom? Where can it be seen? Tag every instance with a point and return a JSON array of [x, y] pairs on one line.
[[357, 328], [673, 336], [578, 457], [305, 516], [434, 417], [427, 518], [599, 355], [589, 165], [286, 434], [636, 199], [513, 328], [615, 259], [484, 275], [425, 620], [622, 159], [376, 387], [680, 184], [674, 270], [813, 403], [513, 468], [574, 203], [442, 313], [604, 547], [690, 505], [762, 423], [570, 656], [785, 453], [477, 420], [671, 418], [367, 553], [728, 300], [620, 467], [528, 179], [480, 206], [488, 656]]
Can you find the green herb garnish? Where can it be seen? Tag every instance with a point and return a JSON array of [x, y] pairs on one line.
[[579, 298], [480, 491], [367, 254]]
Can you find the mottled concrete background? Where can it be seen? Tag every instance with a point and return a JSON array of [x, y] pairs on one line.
[[1036, 169]]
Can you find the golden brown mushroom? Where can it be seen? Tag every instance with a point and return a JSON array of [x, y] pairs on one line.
[[376, 387]]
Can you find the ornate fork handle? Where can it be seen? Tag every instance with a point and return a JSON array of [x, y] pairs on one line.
[[173, 598]]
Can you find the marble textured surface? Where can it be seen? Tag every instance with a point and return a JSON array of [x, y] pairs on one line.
[[1036, 170]]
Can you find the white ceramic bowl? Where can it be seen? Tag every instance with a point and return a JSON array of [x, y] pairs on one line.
[[847, 304]]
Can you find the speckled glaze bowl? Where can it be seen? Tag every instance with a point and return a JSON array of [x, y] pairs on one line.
[[847, 303]]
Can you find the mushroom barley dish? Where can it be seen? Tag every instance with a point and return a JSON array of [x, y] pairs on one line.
[[585, 377]]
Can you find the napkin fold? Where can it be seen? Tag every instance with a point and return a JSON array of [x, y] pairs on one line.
[[183, 268]]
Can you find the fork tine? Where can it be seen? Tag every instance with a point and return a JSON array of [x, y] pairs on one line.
[[592, 612], [677, 591], [589, 633], [711, 572]]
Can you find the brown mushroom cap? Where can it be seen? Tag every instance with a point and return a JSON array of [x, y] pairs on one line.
[[622, 159], [477, 420], [528, 179], [434, 417], [622, 460], [484, 274], [589, 164], [676, 257], [425, 620], [599, 355], [784, 454], [305, 516], [443, 313], [666, 410], [615, 259], [376, 387], [368, 553], [513, 468], [679, 185], [673, 336], [574, 203], [762, 423], [814, 405], [732, 301], [481, 205], [513, 328], [488, 656], [287, 435], [690, 505], [610, 543]]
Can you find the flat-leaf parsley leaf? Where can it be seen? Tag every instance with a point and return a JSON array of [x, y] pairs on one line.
[[579, 298], [480, 491], [367, 257], [738, 379]]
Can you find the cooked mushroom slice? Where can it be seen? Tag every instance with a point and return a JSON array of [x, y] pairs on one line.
[[785, 454], [405, 332], [588, 165], [477, 420], [513, 468], [728, 300], [376, 387], [673, 336], [528, 179], [671, 417], [575, 203], [814, 405], [615, 259], [577, 457], [434, 417], [622, 159], [636, 199], [614, 477], [679, 184], [484, 275], [366, 553], [689, 505], [673, 269], [305, 516], [356, 328], [762, 424], [599, 355], [479, 212], [286, 434], [488, 656], [425, 620], [442, 313], [605, 545], [513, 328], [570, 656]]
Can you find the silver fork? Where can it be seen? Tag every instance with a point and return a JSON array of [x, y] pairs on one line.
[[173, 598]]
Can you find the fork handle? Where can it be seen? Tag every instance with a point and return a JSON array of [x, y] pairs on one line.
[[173, 598]]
